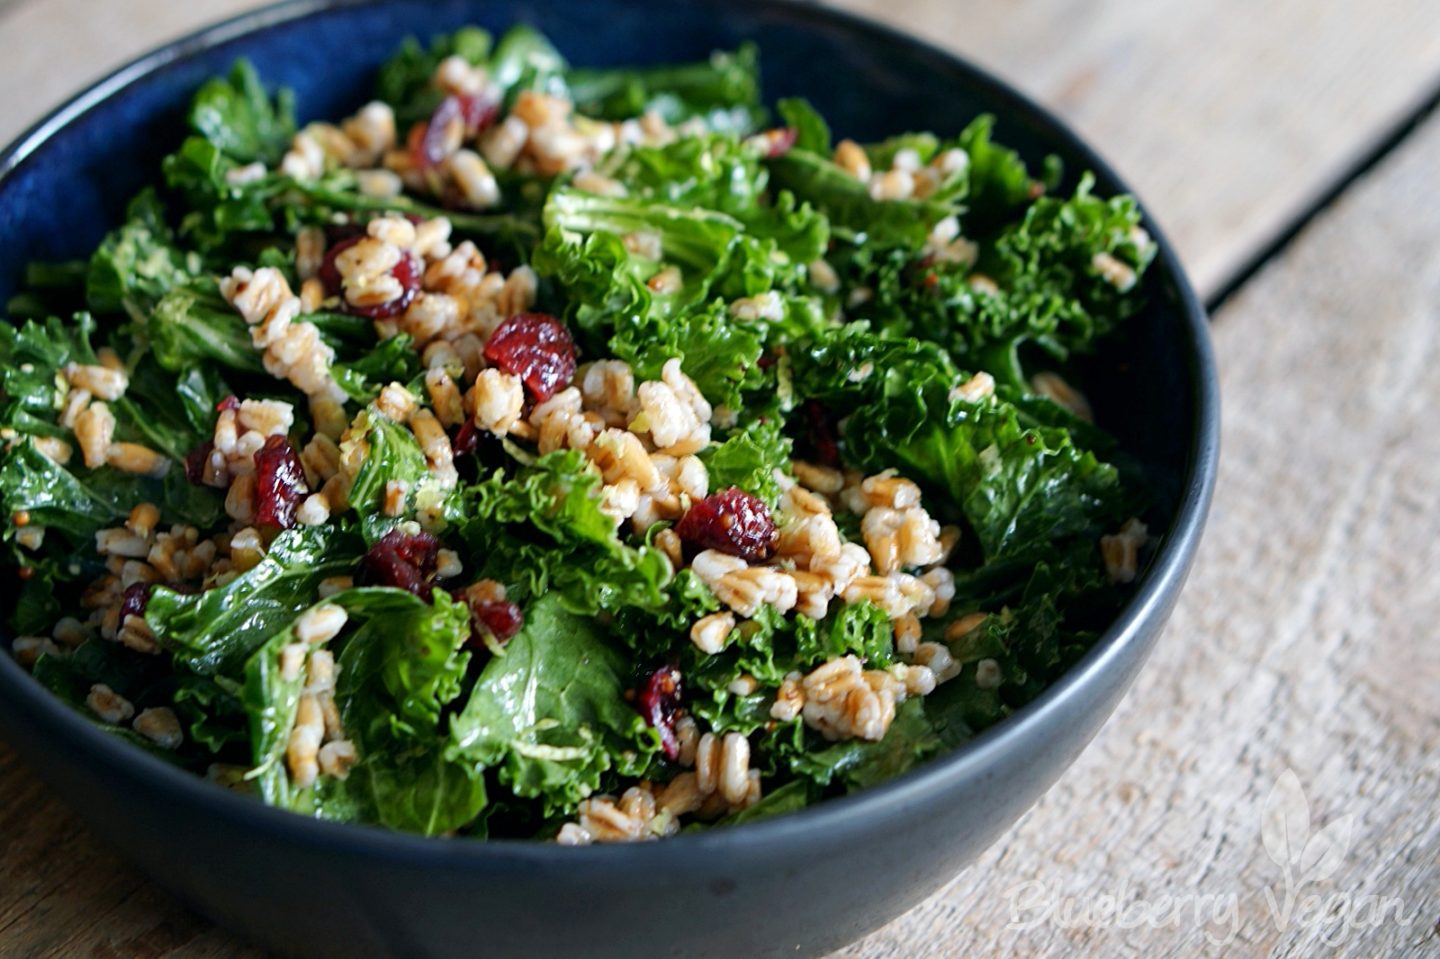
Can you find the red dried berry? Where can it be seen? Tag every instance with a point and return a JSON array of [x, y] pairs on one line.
[[660, 703], [407, 271], [467, 438], [328, 273], [195, 462], [731, 521], [430, 147], [480, 113], [134, 601], [537, 348], [822, 434], [231, 402], [403, 560], [430, 142], [780, 141], [500, 618], [279, 483]]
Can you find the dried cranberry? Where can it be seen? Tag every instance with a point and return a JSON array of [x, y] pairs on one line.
[[467, 438], [328, 273], [500, 618], [822, 434], [731, 521], [407, 271], [430, 148], [195, 462], [403, 560], [279, 483], [231, 402], [660, 705], [480, 113], [537, 348], [133, 603], [780, 141], [429, 142]]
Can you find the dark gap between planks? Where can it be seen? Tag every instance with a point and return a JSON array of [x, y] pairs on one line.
[[1367, 162]]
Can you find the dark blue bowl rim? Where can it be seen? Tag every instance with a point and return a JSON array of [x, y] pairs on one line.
[[833, 818]]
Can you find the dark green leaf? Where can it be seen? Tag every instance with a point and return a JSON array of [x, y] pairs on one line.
[[216, 630], [238, 117], [550, 713]]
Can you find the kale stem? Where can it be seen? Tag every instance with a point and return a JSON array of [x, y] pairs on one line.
[[502, 224]]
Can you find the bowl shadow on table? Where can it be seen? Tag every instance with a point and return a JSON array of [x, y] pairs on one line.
[[799, 885]]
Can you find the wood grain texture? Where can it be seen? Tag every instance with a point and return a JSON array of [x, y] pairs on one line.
[[51, 49], [62, 894], [1305, 639]]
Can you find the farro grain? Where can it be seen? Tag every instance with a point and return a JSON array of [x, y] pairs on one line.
[[1121, 551], [1054, 387], [852, 159], [99, 381], [337, 758], [109, 705], [27, 650], [499, 400], [94, 431], [161, 726]]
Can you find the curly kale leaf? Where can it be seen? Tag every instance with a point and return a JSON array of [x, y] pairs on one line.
[[1020, 487], [216, 630], [541, 530], [239, 118], [724, 91], [550, 713], [139, 262], [396, 672]]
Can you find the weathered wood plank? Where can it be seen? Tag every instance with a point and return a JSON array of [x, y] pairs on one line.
[[64, 894], [50, 49]]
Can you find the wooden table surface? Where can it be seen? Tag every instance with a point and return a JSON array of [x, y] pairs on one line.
[[1299, 680]]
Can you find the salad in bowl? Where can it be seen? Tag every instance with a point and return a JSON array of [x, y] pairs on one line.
[[585, 455]]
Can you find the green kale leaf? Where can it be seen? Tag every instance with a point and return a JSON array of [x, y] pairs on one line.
[[550, 713], [237, 116], [139, 262], [724, 91], [218, 629]]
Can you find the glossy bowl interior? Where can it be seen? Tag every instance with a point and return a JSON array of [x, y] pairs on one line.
[[796, 885]]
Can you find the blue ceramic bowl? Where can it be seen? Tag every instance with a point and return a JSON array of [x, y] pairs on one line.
[[793, 886]]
